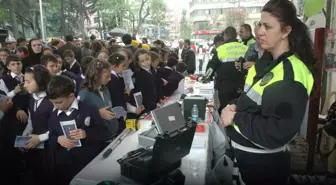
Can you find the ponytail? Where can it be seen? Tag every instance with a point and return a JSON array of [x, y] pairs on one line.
[[301, 43]]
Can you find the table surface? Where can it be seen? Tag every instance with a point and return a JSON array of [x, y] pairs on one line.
[[101, 169], [199, 158]]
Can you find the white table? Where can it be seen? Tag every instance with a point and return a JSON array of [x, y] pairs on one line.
[[200, 154], [108, 169]]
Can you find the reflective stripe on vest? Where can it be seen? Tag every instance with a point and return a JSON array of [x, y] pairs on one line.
[[301, 74], [231, 51]]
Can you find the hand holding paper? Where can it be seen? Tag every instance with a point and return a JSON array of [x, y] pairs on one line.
[[78, 134]]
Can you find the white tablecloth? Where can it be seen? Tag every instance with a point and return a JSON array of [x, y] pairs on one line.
[[200, 156]]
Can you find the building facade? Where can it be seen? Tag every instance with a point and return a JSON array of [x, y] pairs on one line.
[[210, 17]]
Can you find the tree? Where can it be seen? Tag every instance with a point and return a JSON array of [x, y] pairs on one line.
[[158, 11], [185, 26], [235, 18]]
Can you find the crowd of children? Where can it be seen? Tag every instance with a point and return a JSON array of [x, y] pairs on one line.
[[58, 90]]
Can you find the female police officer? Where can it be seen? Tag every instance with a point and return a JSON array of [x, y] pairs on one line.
[[268, 116]]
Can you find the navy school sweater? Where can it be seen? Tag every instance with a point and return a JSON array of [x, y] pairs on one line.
[[116, 88], [41, 115], [173, 82], [145, 83]]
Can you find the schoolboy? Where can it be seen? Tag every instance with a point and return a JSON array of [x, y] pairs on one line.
[[69, 158], [52, 64], [72, 64]]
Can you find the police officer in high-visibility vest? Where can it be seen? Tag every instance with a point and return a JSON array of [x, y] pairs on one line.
[[228, 79], [245, 33], [264, 120]]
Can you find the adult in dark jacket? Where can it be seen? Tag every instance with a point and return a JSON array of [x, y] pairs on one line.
[[69, 46], [189, 57], [35, 51]]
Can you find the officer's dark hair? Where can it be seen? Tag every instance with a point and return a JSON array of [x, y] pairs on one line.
[[181, 67], [68, 53], [230, 32], [247, 27], [127, 39], [299, 38], [45, 59], [12, 58], [69, 38], [187, 41], [41, 76], [60, 86]]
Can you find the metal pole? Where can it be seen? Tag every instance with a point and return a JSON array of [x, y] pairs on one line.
[[42, 23], [14, 22]]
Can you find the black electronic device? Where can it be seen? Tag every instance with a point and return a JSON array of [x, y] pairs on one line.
[[150, 165], [241, 61]]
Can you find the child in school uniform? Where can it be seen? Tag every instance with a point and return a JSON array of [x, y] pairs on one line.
[[167, 72], [84, 65], [40, 109], [69, 158], [145, 82], [95, 93], [175, 84], [160, 82], [118, 91], [72, 64], [52, 64], [16, 118]]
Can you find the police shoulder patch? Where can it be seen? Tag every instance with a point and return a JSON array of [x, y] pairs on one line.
[[268, 77]]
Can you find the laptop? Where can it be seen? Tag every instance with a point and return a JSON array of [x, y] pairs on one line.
[[168, 119]]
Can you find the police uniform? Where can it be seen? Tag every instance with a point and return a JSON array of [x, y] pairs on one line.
[[228, 78], [268, 117]]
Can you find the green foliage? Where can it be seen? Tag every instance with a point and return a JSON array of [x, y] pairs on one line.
[[185, 26], [158, 12]]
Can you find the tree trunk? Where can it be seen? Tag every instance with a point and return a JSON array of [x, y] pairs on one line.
[[81, 18], [99, 25], [13, 17], [37, 28], [63, 32]]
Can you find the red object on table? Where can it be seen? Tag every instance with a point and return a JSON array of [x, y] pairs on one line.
[[193, 77], [200, 128]]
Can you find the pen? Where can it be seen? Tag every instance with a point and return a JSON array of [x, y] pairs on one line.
[[116, 142]]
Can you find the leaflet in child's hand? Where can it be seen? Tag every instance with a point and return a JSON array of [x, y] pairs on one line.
[[68, 126], [20, 142], [127, 75]]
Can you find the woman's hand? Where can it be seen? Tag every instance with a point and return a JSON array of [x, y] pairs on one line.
[[227, 116]]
